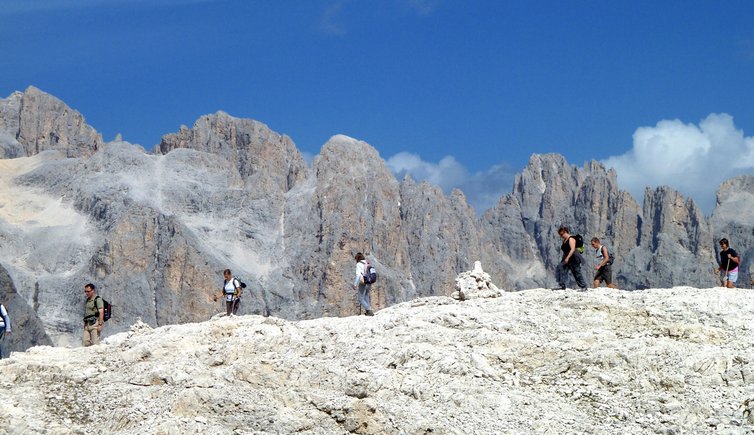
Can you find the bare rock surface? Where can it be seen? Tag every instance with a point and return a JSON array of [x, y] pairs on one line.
[[677, 360], [155, 230], [34, 121]]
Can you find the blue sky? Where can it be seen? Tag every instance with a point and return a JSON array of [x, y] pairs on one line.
[[457, 92]]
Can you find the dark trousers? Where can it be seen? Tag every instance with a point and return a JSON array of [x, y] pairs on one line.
[[231, 307], [574, 266]]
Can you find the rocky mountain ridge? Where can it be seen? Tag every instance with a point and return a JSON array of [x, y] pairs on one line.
[[155, 230], [607, 361]]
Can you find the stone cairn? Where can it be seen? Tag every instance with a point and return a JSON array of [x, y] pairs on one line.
[[474, 284]]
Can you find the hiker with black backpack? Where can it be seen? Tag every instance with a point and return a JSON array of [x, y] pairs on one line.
[[362, 285], [571, 260], [4, 326], [231, 293], [604, 267], [729, 263], [94, 315]]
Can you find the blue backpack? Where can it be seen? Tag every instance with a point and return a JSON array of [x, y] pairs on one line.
[[370, 274]]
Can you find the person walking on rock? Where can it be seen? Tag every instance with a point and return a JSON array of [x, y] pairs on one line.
[[4, 326], [94, 315], [604, 267], [231, 293], [571, 260], [729, 263], [362, 289]]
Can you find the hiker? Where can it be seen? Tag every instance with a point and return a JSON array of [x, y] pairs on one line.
[[94, 316], [604, 267], [729, 263], [362, 291], [571, 260], [4, 326], [231, 293]]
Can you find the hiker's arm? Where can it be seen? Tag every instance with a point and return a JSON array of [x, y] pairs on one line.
[[101, 319], [572, 245], [735, 259]]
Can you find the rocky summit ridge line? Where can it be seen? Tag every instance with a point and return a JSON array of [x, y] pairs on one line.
[[675, 360], [155, 229]]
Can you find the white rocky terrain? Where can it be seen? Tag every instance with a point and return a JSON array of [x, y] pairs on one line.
[[678, 360]]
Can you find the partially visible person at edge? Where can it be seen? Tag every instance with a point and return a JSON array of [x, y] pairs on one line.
[[94, 316], [604, 267], [729, 263], [4, 326], [571, 260], [362, 289], [231, 293]]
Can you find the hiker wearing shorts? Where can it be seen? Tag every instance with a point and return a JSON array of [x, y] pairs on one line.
[[362, 289], [729, 263], [604, 267], [94, 316], [231, 293], [571, 261], [4, 326]]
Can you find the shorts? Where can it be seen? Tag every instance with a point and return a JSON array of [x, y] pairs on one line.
[[731, 276], [604, 273]]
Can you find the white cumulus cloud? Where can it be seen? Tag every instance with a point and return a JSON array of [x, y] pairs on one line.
[[482, 189], [693, 159]]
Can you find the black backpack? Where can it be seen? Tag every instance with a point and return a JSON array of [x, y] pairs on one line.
[[107, 309], [370, 273], [579, 243]]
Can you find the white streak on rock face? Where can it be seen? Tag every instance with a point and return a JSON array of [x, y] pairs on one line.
[[605, 361]]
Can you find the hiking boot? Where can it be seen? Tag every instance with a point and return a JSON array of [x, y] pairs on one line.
[[557, 288], [582, 289], [369, 313]]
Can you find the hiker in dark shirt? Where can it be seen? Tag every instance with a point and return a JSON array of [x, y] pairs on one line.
[[729, 263], [571, 260]]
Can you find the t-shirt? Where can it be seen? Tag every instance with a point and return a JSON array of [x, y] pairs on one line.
[[229, 289], [729, 265], [92, 307]]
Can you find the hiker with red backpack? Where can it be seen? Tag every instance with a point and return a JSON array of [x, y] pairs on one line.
[[571, 259], [365, 276]]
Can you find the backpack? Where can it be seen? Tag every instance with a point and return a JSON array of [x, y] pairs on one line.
[[370, 274], [579, 243], [107, 309]]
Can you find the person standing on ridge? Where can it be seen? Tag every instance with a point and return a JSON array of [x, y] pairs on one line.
[[362, 289], [231, 293], [604, 267], [94, 316], [729, 263], [4, 326], [571, 260]]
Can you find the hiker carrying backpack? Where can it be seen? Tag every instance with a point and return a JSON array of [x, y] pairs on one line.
[[366, 275]]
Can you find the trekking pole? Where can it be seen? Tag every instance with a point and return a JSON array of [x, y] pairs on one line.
[[726, 273]]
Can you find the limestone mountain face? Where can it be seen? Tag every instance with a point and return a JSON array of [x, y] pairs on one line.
[[668, 242], [732, 219], [675, 360], [155, 230], [34, 121]]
